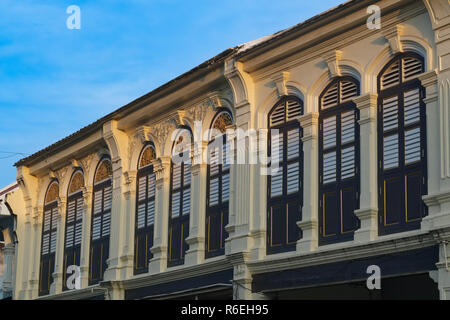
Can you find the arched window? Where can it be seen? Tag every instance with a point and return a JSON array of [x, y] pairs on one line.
[[218, 186], [74, 224], [401, 145], [145, 210], [48, 242], [101, 221], [180, 197], [338, 161], [285, 192]]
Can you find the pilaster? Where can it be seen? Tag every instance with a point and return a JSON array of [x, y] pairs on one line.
[[57, 284], [9, 264], [33, 280], [118, 142], [368, 209], [86, 232], [158, 263], [196, 239], [127, 247], [438, 196], [309, 224]]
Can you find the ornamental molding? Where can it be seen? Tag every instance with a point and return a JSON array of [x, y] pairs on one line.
[[332, 59], [198, 111], [281, 80], [392, 35], [86, 162], [130, 177], [141, 134], [61, 174], [161, 132]]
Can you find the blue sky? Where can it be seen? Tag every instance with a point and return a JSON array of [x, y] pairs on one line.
[[53, 80]]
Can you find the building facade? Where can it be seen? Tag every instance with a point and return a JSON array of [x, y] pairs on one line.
[[10, 200], [363, 179]]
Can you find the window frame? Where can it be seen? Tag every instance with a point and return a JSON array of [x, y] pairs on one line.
[[182, 220], [75, 250], [103, 241], [222, 207], [147, 230], [402, 169], [285, 199], [49, 257], [339, 185]]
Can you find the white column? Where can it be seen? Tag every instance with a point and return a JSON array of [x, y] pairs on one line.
[[239, 226], [443, 271], [129, 215], [8, 274], [368, 206], [159, 250], [438, 196], [23, 255], [35, 256], [309, 224], [86, 239], [258, 184], [197, 219], [56, 286]]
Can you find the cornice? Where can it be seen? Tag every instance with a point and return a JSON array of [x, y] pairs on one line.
[[178, 273], [307, 52], [345, 251]]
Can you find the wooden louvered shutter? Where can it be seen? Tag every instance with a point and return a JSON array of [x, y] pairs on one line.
[[218, 196], [100, 230], [180, 205], [73, 234], [339, 161], [392, 76], [402, 153], [48, 248], [145, 218], [331, 98], [285, 195]]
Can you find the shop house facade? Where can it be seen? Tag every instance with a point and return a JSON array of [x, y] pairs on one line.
[[363, 179]]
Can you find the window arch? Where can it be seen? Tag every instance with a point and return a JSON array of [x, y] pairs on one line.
[[74, 223], [180, 196], [101, 220], [48, 241], [339, 183], [145, 210], [401, 144], [285, 191], [218, 185]]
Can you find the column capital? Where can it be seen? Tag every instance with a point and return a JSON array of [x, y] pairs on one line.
[[87, 193], [199, 153], [62, 201], [368, 100], [161, 166], [37, 213], [367, 105], [430, 81], [309, 119], [309, 122], [429, 78], [130, 176]]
